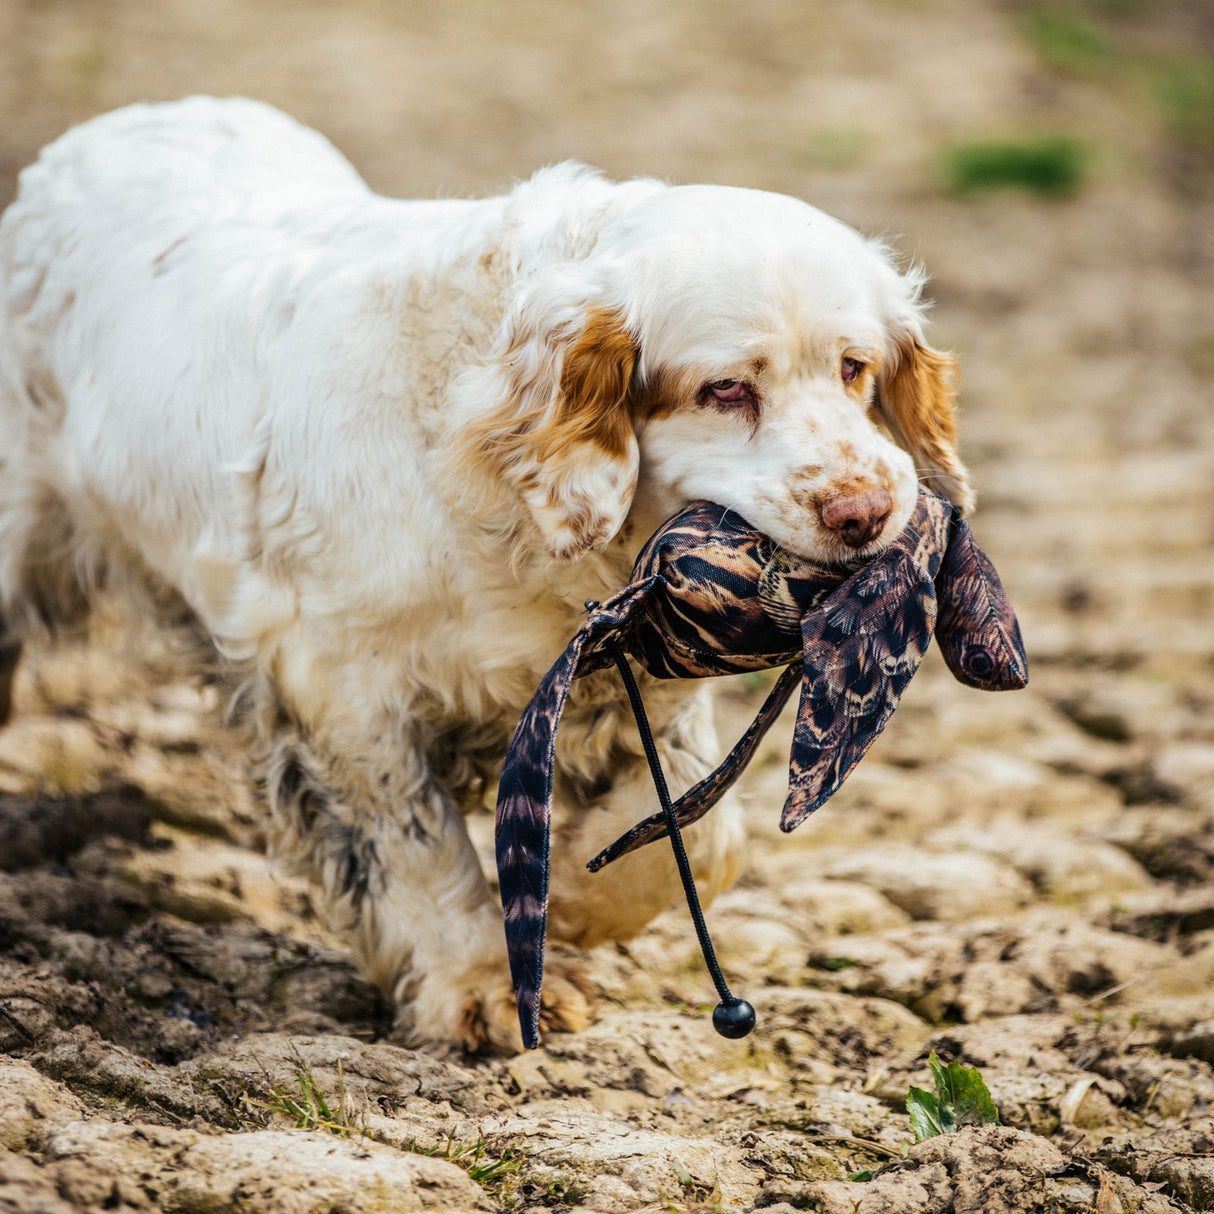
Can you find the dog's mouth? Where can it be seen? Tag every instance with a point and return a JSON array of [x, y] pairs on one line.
[[844, 522], [825, 546]]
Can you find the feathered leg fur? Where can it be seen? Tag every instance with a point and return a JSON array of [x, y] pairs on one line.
[[385, 841], [10, 654]]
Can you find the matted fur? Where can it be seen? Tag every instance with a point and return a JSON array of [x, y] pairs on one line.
[[385, 450]]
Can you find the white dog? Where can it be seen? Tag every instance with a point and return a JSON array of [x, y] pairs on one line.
[[384, 451]]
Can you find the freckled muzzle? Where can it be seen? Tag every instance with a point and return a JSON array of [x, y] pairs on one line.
[[711, 596]]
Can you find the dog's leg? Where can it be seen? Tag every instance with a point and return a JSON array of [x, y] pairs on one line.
[[41, 591], [10, 654], [402, 882], [619, 900]]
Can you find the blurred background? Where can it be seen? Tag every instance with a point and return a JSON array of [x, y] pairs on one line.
[[1052, 165]]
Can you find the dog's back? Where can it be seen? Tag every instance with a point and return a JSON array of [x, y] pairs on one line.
[[91, 315]]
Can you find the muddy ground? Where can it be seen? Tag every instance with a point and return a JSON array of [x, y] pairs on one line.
[[1019, 882]]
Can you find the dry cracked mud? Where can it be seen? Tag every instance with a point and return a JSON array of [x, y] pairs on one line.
[[1021, 882]]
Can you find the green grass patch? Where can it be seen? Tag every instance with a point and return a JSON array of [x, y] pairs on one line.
[[1090, 39], [1050, 166], [1068, 41], [834, 964], [1183, 90], [836, 149]]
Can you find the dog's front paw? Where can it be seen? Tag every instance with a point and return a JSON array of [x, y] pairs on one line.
[[481, 1016], [489, 1019]]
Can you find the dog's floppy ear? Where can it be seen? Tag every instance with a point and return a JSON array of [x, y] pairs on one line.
[[916, 395], [563, 434]]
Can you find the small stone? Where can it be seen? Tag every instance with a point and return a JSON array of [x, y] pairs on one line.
[[933, 885], [272, 1171], [32, 1106], [1196, 1042], [1067, 868], [838, 908], [26, 1188]]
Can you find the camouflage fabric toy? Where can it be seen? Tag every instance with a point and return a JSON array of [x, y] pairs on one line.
[[712, 596]]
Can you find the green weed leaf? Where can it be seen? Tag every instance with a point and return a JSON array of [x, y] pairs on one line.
[[924, 1110], [961, 1099]]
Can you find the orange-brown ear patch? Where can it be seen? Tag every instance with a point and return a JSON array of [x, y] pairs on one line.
[[917, 399], [563, 433], [538, 418], [595, 379]]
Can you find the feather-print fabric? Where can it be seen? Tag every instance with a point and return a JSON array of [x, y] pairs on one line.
[[711, 596]]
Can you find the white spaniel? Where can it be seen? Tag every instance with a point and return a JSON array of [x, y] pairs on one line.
[[384, 451]]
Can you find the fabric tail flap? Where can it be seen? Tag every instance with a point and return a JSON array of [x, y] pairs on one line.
[[977, 628], [701, 797], [849, 690], [524, 810]]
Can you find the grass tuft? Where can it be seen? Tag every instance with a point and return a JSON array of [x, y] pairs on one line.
[[1051, 166], [490, 1172], [260, 1102], [311, 1109]]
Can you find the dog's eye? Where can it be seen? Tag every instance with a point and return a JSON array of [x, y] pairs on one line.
[[851, 370], [731, 391]]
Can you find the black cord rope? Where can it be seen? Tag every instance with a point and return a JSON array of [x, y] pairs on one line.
[[672, 825]]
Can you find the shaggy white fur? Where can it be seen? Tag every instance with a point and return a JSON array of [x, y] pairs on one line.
[[385, 450]]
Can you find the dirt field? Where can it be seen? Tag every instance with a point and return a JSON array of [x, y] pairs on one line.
[[1019, 882]]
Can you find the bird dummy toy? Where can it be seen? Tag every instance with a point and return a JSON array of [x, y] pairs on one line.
[[710, 595]]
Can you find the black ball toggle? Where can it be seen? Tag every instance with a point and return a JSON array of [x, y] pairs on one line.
[[734, 1019]]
